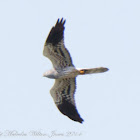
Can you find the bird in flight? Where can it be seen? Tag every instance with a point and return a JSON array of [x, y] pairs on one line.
[[64, 72]]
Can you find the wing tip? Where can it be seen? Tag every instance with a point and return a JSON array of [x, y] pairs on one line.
[[57, 32], [70, 111], [80, 120], [61, 21]]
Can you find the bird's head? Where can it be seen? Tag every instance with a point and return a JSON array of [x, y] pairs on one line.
[[49, 74]]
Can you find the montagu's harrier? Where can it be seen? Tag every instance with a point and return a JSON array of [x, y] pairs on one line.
[[64, 72]]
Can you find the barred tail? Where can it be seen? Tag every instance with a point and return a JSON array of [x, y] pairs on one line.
[[92, 70]]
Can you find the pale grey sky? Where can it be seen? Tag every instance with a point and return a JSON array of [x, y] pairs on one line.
[[97, 33]]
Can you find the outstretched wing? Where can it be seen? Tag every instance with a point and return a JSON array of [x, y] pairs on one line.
[[63, 96], [54, 47]]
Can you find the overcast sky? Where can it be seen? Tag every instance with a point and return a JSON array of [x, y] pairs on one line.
[[97, 33]]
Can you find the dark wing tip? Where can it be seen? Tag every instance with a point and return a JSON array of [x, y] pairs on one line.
[[60, 21], [70, 110], [57, 32]]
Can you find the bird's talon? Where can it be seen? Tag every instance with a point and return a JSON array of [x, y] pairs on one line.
[[82, 72]]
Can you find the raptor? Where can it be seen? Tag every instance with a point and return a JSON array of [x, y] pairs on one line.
[[64, 72]]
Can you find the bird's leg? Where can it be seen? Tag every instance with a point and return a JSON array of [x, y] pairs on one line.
[[82, 71]]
